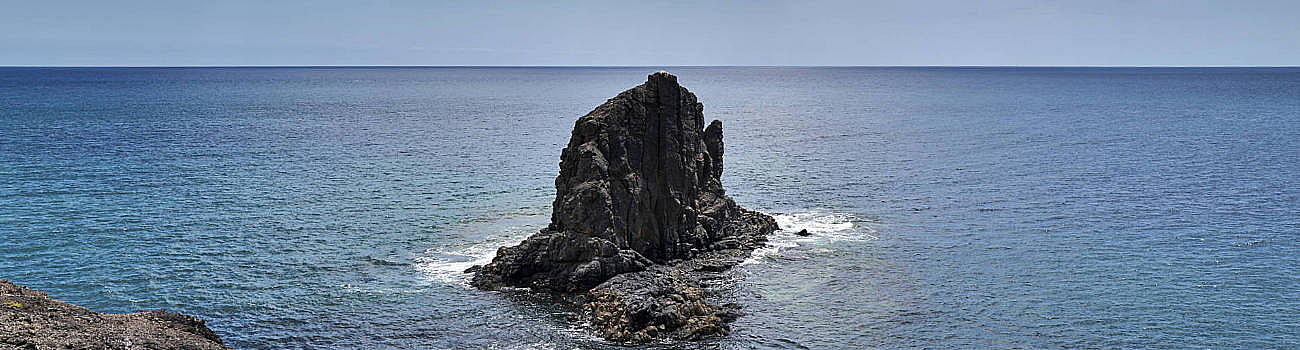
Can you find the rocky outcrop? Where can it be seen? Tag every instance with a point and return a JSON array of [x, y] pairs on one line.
[[640, 197], [29, 319], [639, 306]]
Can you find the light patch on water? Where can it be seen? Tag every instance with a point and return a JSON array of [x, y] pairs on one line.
[[823, 227]]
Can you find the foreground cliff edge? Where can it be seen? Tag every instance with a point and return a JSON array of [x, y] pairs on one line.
[[29, 319], [640, 220]]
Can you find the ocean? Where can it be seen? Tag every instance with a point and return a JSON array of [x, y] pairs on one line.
[[999, 208]]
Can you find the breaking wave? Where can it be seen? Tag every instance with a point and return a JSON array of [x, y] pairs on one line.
[[448, 263], [823, 227]]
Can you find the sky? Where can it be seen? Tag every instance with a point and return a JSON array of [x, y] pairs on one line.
[[650, 33]]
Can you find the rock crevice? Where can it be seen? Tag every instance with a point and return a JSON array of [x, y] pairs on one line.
[[639, 193]]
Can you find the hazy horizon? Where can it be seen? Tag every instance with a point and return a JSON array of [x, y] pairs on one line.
[[929, 33], [609, 66]]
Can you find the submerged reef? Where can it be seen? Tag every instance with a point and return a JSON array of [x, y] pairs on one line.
[[640, 220], [30, 319]]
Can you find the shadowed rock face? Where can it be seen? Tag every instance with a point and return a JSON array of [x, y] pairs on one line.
[[29, 319], [640, 197]]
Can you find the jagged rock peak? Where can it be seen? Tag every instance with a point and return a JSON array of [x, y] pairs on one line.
[[639, 184], [634, 169]]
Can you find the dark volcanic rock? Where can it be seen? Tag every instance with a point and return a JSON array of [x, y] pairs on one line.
[[557, 261], [639, 184], [803, 232], [29, 319], [639, 196], [640, 306]]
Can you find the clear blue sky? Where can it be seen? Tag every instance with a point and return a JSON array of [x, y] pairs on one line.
[[658, 33]]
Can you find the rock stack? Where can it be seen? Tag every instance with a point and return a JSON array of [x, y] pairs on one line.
[[639, 212]]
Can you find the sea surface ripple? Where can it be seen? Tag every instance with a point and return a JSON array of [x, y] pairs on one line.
[[304, 208]]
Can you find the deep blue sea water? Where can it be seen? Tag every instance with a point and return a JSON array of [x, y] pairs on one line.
[[1036, 208]]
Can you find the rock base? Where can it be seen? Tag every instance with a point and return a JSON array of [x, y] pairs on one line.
[[672, 300], [661, 302]]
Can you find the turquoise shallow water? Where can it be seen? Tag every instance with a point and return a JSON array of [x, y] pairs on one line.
[[951, 207]]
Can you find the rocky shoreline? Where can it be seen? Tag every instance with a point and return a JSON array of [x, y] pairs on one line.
[[640, 221], [30, 319]]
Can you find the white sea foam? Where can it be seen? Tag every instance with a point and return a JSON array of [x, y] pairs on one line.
[[448, 264], [822, 226]]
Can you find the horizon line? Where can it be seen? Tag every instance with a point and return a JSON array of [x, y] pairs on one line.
[[641, 66]]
